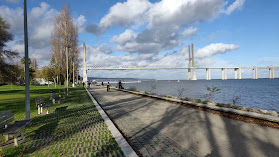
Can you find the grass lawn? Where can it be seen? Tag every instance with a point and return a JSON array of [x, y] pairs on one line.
[[73, 127]]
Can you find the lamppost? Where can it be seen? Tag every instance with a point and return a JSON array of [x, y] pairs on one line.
[[73, 74], [67, 68], [27, 82]]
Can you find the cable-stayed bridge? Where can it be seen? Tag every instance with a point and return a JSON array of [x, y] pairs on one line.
[[191, 68]]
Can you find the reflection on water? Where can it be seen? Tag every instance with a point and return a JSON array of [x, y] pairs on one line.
[[260, 93]]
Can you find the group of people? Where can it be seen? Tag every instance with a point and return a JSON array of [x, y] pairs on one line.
[[108, 85]]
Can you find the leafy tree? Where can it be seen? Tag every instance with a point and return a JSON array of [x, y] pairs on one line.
[[48, 72], [6, 72]]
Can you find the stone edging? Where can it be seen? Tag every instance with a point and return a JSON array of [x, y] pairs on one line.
[[216, 108], [121, 141]]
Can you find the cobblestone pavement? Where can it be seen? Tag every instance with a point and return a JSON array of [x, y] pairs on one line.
[[160, 128], [71, 129], [147, 140]]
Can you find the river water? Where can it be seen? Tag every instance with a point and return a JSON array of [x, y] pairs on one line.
[[260, 93]]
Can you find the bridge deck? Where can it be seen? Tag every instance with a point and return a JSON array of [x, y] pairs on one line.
[[160, 128]]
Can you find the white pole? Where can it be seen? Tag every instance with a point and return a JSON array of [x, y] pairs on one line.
[[189, 65], [193, 64], [67, 83], [73, 74]]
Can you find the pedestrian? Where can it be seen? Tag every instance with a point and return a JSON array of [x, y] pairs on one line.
[[102, 83], [108, 86], [120, 85], [83, 84]]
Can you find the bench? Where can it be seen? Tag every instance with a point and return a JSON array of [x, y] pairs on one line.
[[53, 98], [8, 129], [40, 103]]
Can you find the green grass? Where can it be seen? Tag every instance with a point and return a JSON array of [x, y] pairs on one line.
[[70, 126], [15, 99]]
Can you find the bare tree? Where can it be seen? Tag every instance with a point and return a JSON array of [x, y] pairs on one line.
[[212, 91], [180, 92], [64, 34]]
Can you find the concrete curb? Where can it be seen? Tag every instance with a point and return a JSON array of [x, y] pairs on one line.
[[121, 141], [216, 108]]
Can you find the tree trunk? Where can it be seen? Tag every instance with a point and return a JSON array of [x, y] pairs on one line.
[[48, 83], [54, 82]]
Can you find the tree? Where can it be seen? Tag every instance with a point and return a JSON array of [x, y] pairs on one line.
[[6, 72], [64, 35], [32, 70], [48, 72]]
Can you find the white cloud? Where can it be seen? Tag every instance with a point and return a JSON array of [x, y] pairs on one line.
[[214, 49], [80, 23], [166, 23], [124, 37], [40, 24], [236, 5], [122, 14], [14, 17], [181, 12], [163, 13], [189, 32]]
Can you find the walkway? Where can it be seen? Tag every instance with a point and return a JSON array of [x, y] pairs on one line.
[[160, 128]]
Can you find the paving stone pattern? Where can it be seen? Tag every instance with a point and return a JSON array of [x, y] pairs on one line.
[[162, 128], [147, 140], [76, 131]]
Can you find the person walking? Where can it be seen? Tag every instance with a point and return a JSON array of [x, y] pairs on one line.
[[120, 85], [102, 83], [108, 86]]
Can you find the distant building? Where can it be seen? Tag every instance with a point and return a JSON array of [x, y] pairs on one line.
[[41, 81]]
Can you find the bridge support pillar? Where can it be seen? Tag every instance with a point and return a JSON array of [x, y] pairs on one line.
[[239, 71], [253, 73], [235, 73], [193, 64], [189, 74], [272, 73], [208, 75], [223, 74], [256, 73]]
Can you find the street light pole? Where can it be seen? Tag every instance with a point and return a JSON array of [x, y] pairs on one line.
[[67, 70], [73, 74], [27, 82]]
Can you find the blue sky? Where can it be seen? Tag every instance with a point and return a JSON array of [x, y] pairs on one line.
[[137, 33]]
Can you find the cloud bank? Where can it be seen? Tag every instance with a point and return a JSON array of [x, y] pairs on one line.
[[214, 49]]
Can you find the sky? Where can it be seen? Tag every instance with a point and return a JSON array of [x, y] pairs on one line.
[[156, 33]]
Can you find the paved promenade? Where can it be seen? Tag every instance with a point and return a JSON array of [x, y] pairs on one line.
[[160, 128]]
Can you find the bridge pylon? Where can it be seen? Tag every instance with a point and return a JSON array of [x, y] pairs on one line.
[[191, 64], [84, 64]]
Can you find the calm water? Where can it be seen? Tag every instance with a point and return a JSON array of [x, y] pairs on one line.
[[260, 93]]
